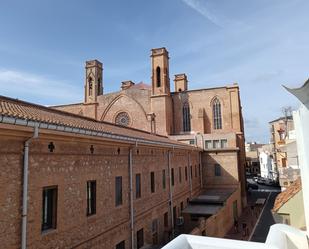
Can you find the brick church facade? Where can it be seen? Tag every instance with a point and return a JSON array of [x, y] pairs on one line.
[[210, 118], [130, 169]]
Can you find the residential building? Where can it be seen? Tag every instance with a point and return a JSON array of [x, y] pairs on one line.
[[301, 119], [284, 150], [279, 235], [268, 168], [284, 210], [252, 158]]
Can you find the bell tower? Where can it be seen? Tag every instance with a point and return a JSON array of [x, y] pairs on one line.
[[161, 100], [93, 81], [160, 71]]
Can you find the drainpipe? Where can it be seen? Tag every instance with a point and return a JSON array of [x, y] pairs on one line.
[[201, 169], [131, 195], [190, 175], [25, 189], [170, 191]]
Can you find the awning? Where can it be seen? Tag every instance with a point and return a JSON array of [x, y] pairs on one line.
[[202, 209]]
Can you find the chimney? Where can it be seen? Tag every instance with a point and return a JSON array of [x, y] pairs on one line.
[[181, 82], [126, 84]]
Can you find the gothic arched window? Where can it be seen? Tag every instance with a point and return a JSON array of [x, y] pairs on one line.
[[90, 82], [216, 112], [158, 75], [186, 117], [123, 119], [99, 86]]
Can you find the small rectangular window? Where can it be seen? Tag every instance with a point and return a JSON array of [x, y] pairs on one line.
[[172, 177], [152, 182], [195, 170], [216, 144], [174, 215], [49, 208], [166, 219], [208, 144], [181, 206], [180, 176], [91, 197], [121, 245], [223, 143], [186, 173], [191, 141], [217, 170], [118, 190], [191, 172], [138, 192], [163, 179], [154, 227], [140, 238], [199, 170]]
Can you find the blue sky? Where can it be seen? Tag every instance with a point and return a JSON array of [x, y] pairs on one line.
[[261, 44]]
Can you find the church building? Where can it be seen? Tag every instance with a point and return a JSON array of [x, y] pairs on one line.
[[210, 118], [125, 170]]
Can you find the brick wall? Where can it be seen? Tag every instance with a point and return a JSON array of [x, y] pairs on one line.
[[69, 167]]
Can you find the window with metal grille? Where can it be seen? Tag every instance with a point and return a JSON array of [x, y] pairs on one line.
[[49, 208], [140, 238], [163, 179], [91, 197], [217, 118], [217, 170], [152, 182], [166, 219], [118, 190], [138, 190]]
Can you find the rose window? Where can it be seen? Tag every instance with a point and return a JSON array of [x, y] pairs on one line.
[[123, 119]]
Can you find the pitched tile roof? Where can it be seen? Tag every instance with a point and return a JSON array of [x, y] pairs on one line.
[[141, 85], [31, 112], [285, 196]]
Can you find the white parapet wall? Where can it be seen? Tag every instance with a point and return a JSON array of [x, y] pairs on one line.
[[301, 123], [280, 236]]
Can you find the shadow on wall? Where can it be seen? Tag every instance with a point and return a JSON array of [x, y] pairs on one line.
[[220, 172]]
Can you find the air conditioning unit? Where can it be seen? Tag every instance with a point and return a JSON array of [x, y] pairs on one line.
[[180, 221]]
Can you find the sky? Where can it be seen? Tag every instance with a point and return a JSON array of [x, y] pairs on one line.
[[260, 44]]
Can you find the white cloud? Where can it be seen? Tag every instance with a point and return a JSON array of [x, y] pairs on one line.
[[200, 8], [212, 13], [31, 87]]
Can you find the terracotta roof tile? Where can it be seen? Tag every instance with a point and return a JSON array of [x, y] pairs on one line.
[[285, 196], [141, 85], [28, 111]]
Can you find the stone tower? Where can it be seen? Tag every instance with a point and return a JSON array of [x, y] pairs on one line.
[[181, 82], [161, 101], [93, 81], [160, 71]]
